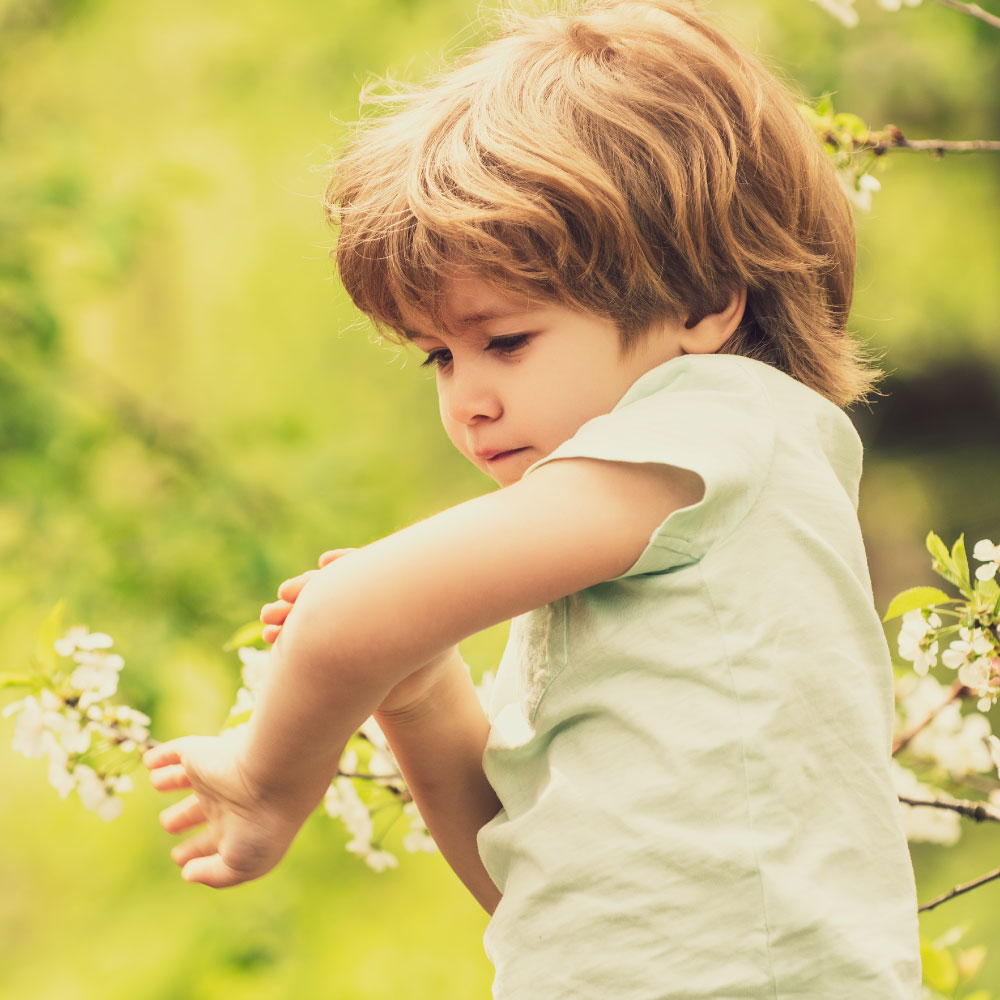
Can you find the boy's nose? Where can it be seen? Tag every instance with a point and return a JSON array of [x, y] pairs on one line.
[[467, 399]]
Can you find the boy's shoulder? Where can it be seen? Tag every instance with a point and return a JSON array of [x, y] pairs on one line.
[[725, 374], [747, 397]]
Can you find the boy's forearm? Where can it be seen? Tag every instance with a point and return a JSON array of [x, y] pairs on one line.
[[332, 668], [298, 735], [298, 731], [316, 694], [438, 742]]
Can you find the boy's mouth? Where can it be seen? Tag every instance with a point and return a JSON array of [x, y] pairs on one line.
[[498, 456]]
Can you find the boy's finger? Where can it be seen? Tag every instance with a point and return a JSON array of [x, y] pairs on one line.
[[182, 815], [289, 590], [162, 754], [194, 847], [275, 613], [332, 555], [211, 871], [271, 633], [169, 777]]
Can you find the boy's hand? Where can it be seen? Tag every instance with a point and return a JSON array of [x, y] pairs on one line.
[[273, 615], [244, 836]]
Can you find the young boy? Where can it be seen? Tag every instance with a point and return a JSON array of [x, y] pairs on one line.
[[627, 259]]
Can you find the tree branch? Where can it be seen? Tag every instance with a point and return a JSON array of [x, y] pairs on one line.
[[957, 689], [979, 811], [973, 10], [959, 890], [891, 137]]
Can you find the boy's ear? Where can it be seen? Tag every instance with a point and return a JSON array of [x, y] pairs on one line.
[[708, 334]]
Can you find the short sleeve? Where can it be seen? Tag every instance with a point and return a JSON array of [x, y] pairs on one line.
[[710, 414]]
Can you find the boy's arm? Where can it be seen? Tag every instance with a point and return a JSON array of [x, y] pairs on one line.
[[438, 737], [366, 623], [437, 731]]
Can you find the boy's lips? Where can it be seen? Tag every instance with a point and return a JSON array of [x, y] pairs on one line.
[[493, 455]]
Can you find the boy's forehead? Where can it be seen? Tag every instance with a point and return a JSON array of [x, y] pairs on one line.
[[465, 303]]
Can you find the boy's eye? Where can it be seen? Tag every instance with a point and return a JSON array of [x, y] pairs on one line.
[[508, 345], [438, 358]]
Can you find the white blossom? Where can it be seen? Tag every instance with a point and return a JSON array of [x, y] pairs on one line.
[[372, 732], [70, 718], [988, 554], [994, 745], [255, 663], [952, 741], [971, 644], [417, 837], [29, 728], [342, 801], [95, 794], [96, 677], [976, 674], [896, 4], [349, 761], [46, 725], [61, 777], [913, 644], [383, 765], [80, 637], [132, 723], [937, 826], [245, 701], [379, 860], [860, 188], [955, 742]]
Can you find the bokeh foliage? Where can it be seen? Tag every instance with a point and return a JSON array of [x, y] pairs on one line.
[[190, 411]]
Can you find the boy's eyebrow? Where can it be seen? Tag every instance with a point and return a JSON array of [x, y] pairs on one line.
[[484, 316], [474, 319]]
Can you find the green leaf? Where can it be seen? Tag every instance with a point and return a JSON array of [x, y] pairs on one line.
[[16, 680], [50, 630], [937, 549], [940, 971], [237, 720], [245, 635], [944, 564], [961, 561], [824, 106], [987, 602], [851, 124], [915, 597]]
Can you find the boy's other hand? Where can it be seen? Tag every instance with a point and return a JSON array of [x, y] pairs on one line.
[[244, 836], [273, 615]]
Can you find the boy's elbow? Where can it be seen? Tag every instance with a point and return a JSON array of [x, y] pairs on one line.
[[318, 639], [332, 632]]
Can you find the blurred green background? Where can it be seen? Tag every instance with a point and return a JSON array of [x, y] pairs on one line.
[[190, 411]]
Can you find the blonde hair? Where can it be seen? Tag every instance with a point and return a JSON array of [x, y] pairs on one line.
[[626, 158]]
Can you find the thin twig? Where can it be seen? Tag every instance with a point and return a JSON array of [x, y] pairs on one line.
[[979, 811], [956, 691], [959, 890], [973, 10], [891, 137]]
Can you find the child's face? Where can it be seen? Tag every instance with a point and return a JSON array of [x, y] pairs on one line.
[[517, 377]]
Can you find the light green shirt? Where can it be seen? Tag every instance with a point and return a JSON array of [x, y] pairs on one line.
[[693, 758]]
